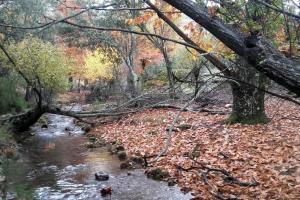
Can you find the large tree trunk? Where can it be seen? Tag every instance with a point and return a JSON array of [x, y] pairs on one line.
[[248, 101], [248, 105], [258, 52]]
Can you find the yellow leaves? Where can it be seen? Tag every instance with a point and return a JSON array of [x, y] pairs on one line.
[[281, 36], [98, 65], [231, 56], [194, 57], [158, 23], [284, 45], [129, 21], [207, 46], [288, 50], [209, 49]]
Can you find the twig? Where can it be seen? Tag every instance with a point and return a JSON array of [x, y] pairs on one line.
[[171, 127], [228, 177]]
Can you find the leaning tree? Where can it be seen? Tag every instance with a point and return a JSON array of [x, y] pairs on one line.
[[255, 48]]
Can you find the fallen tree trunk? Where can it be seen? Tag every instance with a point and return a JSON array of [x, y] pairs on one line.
[[22, 122], [79, 115], [257, 50]]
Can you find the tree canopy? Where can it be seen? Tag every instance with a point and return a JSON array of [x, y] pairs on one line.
[[44, 65], [99, 65]]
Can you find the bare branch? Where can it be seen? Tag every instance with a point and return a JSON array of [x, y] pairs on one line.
[[134, 32], [215, 61], [263, 90], [53, 22], [277, 9]]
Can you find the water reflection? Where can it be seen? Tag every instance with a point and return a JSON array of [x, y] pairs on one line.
[[55, 164]]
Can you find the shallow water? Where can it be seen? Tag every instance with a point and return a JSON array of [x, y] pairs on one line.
[[55, 164]]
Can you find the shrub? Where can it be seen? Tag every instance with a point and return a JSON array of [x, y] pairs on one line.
[[10, 99]]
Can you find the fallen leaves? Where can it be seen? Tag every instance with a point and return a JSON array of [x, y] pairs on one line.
[[268, 153]]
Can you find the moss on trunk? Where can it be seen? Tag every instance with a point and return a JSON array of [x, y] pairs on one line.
[[248, 101]]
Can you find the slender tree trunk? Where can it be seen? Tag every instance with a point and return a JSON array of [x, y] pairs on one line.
[[78, 86], [71, 83], [133, 84], [27, 94], [196, 71], [248, 102], [133, 80], [169, 73]]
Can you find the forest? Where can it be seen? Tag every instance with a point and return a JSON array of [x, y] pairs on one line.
[[149, 99]]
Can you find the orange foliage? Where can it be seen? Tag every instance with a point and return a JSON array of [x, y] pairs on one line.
[[76, 53], [67, 7], [213, 10], [267, 153], [147, 56], [207, 41], [78, 57]]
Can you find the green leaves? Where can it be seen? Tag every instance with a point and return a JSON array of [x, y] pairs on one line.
[[10, 99], [45, 65]]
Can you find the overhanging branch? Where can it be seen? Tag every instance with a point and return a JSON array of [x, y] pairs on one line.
[[135, 32], [264, 3], [214, 60], [23, 75]]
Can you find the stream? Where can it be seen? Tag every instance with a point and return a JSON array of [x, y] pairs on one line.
[[55, 164]]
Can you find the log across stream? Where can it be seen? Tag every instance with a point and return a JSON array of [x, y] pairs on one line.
[[55, 164]]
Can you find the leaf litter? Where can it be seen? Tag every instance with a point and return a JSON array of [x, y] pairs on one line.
[[268, 154]]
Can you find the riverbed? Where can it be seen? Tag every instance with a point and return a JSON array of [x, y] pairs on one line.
[[55, 164]]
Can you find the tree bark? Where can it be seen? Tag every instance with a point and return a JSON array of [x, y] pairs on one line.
[[257, 50], [169, 72], [78, 85], [248, 102], [23, 121], [133, 83], [27, 94]]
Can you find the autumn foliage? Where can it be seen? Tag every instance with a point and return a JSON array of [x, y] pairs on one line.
[[267, 154]]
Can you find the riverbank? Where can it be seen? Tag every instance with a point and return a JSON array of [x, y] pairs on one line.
[[56, 163], [230, 161], [8, 151]]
